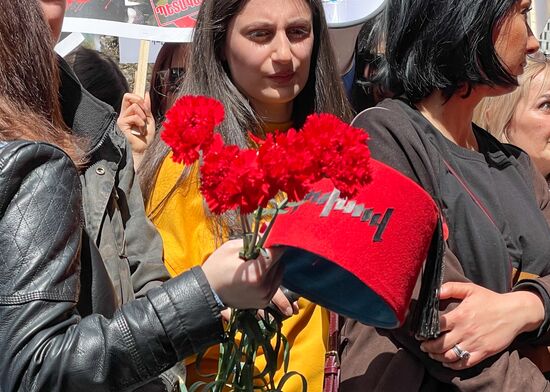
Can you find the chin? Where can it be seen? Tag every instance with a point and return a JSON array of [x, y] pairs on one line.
[[282, 95]]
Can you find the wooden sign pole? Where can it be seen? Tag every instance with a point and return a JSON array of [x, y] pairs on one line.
[[140, 80]]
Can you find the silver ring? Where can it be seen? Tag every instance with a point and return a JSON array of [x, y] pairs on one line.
[[460, 353]]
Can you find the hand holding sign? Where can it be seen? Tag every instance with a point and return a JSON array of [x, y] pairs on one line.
[[137, 123]]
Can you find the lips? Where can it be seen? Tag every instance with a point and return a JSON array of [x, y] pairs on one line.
[[282, 77]]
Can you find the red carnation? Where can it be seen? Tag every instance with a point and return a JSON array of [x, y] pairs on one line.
[[341, 151], [231, 178], [288, 165], [189, 126]]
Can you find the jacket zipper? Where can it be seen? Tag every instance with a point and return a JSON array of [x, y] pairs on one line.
[[110, 128]]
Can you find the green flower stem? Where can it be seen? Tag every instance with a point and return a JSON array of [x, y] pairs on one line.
[[242, 219], [247, 223], [278, 208], [253, 251], [236, 363]]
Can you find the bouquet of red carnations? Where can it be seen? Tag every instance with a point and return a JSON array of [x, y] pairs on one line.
[[248, 182]]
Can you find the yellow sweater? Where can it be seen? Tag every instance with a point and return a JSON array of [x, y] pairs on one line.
[[188, 240]]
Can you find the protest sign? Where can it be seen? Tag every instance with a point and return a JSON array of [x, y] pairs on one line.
[[153, 20], [174, 20]]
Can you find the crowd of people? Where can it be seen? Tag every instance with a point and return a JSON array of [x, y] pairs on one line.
[[115, 274]]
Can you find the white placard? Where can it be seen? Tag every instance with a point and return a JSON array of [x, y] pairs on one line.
[[120, 29], [129, 50]]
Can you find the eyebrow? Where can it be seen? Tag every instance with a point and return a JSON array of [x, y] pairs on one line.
[[300, 20], [266, 23]]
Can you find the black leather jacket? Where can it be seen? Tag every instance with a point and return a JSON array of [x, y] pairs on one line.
[[46, 343]]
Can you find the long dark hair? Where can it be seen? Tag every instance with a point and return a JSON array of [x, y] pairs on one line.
[[29, 79], [442, 45], [208, 75]]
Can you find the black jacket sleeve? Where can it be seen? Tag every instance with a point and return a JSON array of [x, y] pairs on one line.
[[46, 345]]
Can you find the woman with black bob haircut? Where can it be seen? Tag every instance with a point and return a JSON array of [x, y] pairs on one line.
[[443, 57], [451, 47]]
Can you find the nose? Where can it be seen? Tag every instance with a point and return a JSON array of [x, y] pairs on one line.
[[533, 44], [281, 51]]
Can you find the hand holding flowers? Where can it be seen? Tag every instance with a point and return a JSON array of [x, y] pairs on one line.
[[248, 181]]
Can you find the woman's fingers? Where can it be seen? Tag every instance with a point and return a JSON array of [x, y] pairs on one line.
[[239, 283], [481, 326], [128, 99], [282, 303], [138, 110], [439, 345], [134, 120], [456, 290]]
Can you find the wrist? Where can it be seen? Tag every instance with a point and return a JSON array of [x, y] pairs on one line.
[[530, 310], [137, 157], [219, 302]]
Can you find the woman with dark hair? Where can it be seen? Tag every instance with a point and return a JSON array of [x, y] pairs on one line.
[[62, 327], [100, 75], [442, 58], [270, 67], [29, 104]]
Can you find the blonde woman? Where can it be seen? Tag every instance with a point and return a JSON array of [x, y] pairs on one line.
[[522, 117]]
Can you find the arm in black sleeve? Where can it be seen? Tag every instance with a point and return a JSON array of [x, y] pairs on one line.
[[46, 345]]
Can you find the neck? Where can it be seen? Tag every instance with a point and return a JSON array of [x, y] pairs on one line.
[[273, 113], [453, 118]]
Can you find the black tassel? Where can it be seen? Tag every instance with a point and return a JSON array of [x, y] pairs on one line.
[[425, 318]]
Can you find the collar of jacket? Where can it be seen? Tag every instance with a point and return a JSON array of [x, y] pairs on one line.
[[87, 116]]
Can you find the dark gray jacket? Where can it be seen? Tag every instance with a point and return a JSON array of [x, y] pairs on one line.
[[129, 244], [47, 344]]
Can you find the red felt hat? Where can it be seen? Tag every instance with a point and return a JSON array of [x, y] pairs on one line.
[[360, 258]]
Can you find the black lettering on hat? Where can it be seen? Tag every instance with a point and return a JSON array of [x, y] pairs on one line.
[[381, 226]]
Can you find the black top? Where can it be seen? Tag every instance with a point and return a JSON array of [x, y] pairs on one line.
[[511, 234]]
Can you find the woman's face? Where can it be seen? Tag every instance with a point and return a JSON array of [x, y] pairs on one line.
[[54, 11], [514, 39], [529, 127], [268, 50]]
